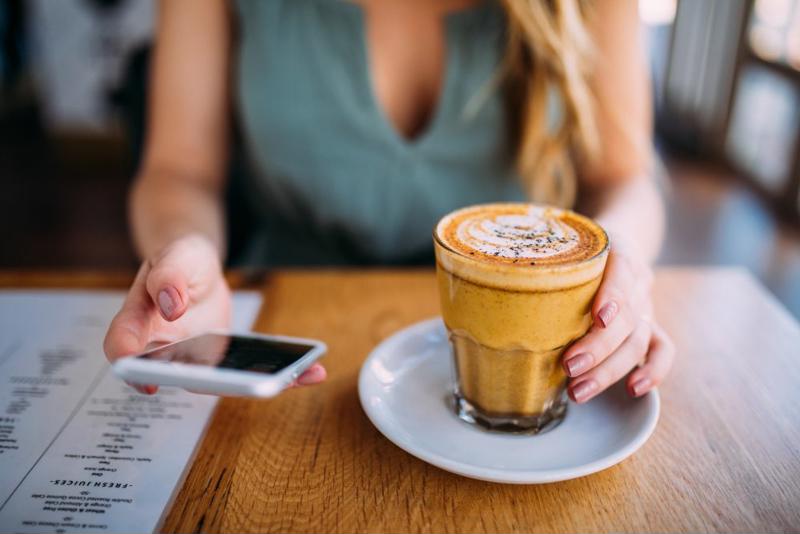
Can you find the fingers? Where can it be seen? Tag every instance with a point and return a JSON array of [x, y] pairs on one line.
[[313, 375], [616, 308], [129, 331], [622, 335], [614, 291], [625, 283], [144, 389], [184, 271], [167, 283], [660, 357], [630, 353], [593, 348]]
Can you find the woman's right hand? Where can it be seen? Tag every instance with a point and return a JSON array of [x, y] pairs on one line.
[[179, 293]]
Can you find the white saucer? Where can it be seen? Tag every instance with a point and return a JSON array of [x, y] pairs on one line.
[[404, 387]]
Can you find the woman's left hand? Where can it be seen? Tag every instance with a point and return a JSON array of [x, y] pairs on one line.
[[624, 336]]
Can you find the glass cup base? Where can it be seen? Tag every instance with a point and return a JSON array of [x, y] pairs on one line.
[[511, 424]]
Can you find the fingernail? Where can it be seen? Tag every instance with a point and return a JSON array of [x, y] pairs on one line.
[[167, 303], [583, 391], [579, 363], [641, 386], [607, 313]]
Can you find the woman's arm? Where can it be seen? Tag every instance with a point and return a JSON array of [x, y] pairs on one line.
[[632, 213], [619, 191], [179, 187], [618, 187], [176, 203]]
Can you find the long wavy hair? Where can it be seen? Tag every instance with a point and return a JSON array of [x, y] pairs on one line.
[[548, 56]]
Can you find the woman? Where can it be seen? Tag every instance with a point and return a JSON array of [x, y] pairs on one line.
[[365, 121]]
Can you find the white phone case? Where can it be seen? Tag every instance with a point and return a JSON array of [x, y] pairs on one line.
[[213, 380]]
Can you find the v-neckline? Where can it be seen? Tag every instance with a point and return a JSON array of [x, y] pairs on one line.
[[389, 129]]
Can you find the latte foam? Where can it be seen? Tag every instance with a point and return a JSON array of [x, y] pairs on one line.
[[513, 244], [521, 233]]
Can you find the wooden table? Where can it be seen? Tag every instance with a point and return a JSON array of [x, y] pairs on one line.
[[725, 455]]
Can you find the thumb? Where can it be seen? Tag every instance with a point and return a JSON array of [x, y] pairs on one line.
[[168, 282]]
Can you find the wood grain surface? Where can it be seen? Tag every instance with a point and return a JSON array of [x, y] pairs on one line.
[[724, 457]]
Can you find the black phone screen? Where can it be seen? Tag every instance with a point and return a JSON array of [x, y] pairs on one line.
[[232, 352]]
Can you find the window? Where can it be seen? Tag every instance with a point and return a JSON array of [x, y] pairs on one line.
[[763, 136], [774, 31], [764, 125]]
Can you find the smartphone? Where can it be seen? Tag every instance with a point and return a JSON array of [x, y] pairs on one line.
[[223, 363]]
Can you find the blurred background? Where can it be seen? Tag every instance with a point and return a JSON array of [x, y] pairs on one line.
[[726, 75]]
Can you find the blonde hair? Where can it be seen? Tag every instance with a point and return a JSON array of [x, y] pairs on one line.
[[548, 55]]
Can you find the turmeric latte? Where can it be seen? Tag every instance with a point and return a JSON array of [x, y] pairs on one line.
[[516, 283]]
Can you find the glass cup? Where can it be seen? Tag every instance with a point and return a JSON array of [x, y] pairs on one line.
[[509, 325]]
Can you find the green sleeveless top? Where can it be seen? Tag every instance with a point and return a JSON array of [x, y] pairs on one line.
[[330, 178]]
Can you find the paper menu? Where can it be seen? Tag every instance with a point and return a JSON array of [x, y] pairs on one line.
[[79, 450]]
